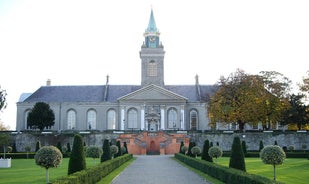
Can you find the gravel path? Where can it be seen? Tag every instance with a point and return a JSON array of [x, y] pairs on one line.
[[157, 170]]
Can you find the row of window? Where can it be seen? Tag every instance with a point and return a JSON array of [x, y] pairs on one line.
[[132, 119]]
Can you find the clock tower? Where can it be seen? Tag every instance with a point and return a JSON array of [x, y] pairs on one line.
[[152, 55]]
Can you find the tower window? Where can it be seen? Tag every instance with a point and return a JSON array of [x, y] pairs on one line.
[[152, 68]]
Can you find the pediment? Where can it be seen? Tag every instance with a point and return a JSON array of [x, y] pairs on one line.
[[152, 93]]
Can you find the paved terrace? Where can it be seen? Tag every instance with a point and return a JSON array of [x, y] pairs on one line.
[[157, 170]]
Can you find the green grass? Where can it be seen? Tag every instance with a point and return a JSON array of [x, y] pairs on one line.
[[293, 170], [27, 172]]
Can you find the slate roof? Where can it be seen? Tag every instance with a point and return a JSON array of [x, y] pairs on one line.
[[95, 93]]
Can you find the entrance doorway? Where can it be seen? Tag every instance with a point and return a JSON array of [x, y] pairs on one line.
[[153, 149]]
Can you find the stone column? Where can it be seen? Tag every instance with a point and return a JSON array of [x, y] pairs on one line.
[[143, 119], [182, 118], [162, 119], [122, 119]]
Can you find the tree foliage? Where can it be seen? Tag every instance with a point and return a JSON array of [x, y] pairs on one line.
[[3, 102], [237, 159], [119, 153], [191, 145], [94, 152], [114, 150], [4, 141], [205, 155], [273, 155], [41, 116], [304, 86], [245, 98], [298, 112], [48, 157], [196, 151], [77, 160], [215, 152], [184, 149]]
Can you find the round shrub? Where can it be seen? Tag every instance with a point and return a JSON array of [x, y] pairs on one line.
[[48, 157], [184, 149], [215, 152], [114, 149], [196, 150], [94, 152], [272, 155]]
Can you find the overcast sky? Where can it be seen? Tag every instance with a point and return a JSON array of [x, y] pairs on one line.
[[74, 42]]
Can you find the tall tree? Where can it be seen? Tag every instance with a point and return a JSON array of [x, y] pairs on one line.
[[297, 113], [41, 116], [77, 160], [304, 86], [245, 98]]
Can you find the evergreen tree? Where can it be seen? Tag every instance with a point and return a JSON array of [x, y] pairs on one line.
[[276, 143], [37, 146], [244, 147], [261, 145], [119, 153], [77, 160], [211, 144], [59, 146], [41, 116], [237, 159], [125, 145], [205, 155], [106, 151], [68, 147], [181, 145], [191, 145]]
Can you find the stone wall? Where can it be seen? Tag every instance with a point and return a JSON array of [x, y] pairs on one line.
[[297, 139]]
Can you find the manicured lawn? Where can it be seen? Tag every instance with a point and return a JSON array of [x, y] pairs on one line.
[[293, 170], [27, 172]]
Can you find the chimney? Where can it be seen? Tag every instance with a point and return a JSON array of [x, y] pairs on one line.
[[48, 82]]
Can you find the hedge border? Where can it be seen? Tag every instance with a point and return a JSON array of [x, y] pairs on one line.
[[96, 173], [222, 173]]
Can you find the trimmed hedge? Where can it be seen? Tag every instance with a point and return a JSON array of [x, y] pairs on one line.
[[224, 174], [22, 155], [96, 173]]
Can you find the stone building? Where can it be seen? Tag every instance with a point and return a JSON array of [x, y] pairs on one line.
[[151, 106]]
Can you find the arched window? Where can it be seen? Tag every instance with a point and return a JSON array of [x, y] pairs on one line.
[[152, 68], [193, 120], [91, 119], [111, 119], [71, 119], [132, 118], [172, 118]]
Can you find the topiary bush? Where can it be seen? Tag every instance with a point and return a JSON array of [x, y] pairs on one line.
[[205, 155], [77, 160], [272, 155], [119, 153], [114, 150], [215, 152], [191, 145], [37, 146], [184, 149], [94, 152], [261, 145], [48, 157], [125, 145], [244, 147], [196, 151], [106, 151], [181, 145], [237, 159], [59, 146]]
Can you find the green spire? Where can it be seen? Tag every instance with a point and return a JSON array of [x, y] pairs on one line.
[[152, 24]]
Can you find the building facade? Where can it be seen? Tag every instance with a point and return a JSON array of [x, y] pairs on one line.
[[151, 106]]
